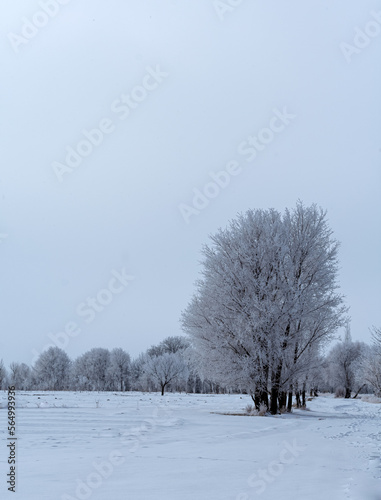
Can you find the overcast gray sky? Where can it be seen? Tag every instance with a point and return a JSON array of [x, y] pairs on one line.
[[170, 93]]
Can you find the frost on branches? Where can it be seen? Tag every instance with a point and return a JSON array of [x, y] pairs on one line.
[[165, 368], [372, 363], [345, 365], [266, 302]]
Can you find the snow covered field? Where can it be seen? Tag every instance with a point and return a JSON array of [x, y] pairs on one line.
[[147, 447]]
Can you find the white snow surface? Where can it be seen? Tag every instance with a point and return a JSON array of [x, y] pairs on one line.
[[185, 446]]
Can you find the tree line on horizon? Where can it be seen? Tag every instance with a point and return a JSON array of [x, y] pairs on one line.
[[349, 368]]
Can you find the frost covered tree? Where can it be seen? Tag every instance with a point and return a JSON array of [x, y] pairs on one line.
[[267, 300], [196, 383], [169, 345], [137, 373], [119, 369], [91, 369], [372, 362], [20, 376], [52, 370], [376, 338], [165, 369], [3, 375], [345, 364], [300, 377], [180, 345], [174, 344]]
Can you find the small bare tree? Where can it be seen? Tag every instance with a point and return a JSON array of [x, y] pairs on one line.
[[165, 369], [345, 364]]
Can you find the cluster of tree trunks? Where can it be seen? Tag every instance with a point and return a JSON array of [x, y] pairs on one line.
[[279, 401]]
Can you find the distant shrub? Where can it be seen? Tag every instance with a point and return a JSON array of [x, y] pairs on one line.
[[262, 410], [252, 411]]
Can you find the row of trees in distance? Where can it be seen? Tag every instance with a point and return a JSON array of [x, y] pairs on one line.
[[347, 369]]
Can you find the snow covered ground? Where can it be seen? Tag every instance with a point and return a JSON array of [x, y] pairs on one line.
[[148, 447]]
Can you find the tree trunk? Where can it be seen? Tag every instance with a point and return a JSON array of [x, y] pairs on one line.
[[260, 397], [256, 398], [274, 400], [162, 389], [347, 393], [289, 404], [197, 388], [275, 384], [297, 397], [304, 393], [265, 398], [357, 393], [282, 400]]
